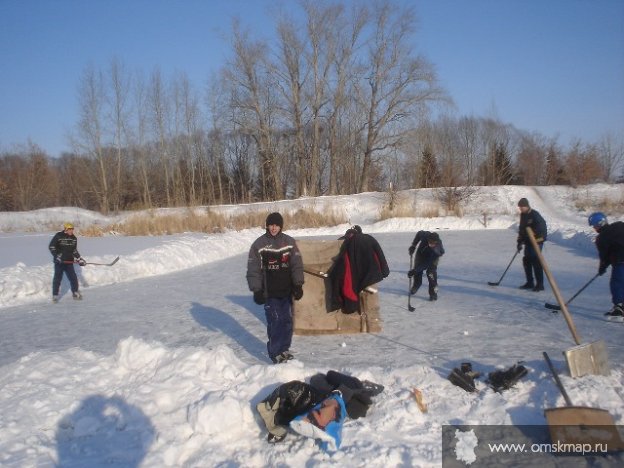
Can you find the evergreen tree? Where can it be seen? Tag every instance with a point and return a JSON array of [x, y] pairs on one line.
[[428, 172], [496, 170]]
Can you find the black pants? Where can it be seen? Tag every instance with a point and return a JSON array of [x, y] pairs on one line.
[[432, 277], [68, 268], [532, 265]]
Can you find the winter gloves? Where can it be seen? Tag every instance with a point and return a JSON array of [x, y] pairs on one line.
[[59, 259], [498, 380], [258, 297], [501, 380], [411, 249], [416, 271], [297, 291], [519, 246]]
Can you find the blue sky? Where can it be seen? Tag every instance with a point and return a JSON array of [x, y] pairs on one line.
[[551, 66]]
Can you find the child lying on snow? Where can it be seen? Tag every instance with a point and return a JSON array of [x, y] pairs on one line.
[[317, 409]]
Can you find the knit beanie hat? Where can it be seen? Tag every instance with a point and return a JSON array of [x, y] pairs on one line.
[[433, 237], [523, 202], [275, 218]]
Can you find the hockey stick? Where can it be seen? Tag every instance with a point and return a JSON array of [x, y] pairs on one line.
[[322, 274], [94, 263], [409, 291], [504, 272], [557, 307]]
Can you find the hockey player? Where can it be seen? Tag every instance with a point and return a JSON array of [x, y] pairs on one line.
[[531, 218], [610, 245], [64, 250], [275, 276], [428, 247]]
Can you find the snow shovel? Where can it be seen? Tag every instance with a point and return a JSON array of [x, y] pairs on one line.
[[589, 358], [591, 428]]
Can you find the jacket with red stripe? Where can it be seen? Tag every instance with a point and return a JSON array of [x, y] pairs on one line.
[[360, 263], [274, 265]]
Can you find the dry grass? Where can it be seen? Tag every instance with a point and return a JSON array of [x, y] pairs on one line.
[[152, 224], [402, 209], [405, 209], [91, 231], [606, 205], [429, 211]]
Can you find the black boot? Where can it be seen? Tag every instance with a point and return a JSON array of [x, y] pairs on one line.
[[528, 271], [538, 287], [616, 314]]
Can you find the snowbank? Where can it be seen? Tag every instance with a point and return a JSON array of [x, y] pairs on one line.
[[153, 406]]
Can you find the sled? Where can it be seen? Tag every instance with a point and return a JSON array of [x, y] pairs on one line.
[[580, 425], [583, 359]]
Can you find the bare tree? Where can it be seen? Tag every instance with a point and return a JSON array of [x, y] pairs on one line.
[[29, 179], [217, 111], [468, 131], [90, 133], [291, 70], [611, 154], [400, 83], [139, 147], [347, 34], [582, 165], [532, 159], [159, 115], [118, 105], [252, 98]]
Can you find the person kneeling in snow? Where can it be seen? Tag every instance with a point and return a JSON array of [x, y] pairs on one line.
[[428, 247], [322, 404], [323, 422]]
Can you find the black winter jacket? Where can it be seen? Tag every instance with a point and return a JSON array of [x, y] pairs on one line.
[[610, 244], [425, 255], [280, 260], [534, 220], [360, 263], [65, 245]]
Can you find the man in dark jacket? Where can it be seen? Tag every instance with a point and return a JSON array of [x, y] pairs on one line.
[[610, 245], [531, 218], [428, 247], [275, 276], [64, 250], [359, 264]]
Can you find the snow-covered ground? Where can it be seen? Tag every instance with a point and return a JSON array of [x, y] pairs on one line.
[[163, 361]]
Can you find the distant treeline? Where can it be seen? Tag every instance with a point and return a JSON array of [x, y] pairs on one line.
[[339, 102]]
